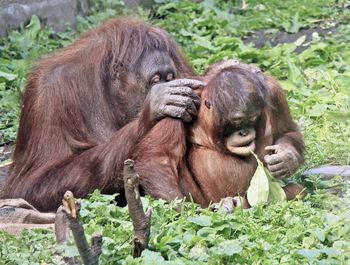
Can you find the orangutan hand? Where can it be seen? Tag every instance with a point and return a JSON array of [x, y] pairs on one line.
[[176, 99], [283, 161]]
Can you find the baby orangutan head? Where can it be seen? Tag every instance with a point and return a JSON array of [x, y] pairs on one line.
[[231, 108]]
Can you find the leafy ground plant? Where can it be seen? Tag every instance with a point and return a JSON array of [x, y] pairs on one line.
[[283, 233], [316, 80]]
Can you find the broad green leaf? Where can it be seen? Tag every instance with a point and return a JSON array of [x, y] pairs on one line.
[[7, 76], [228, 248], [309, 242], [206, 231], [337, 116], [332, 252], [294, 72], [185, 32], [317, 110], [209, 3], [312, 52], [33, 28], [276, 193], [310, 254], [296, 25], [258, 190], [319, 234], [288, 86], [343, 82], [199, 252], [204, 42], [152, 257], [201, 220], [71, 251]]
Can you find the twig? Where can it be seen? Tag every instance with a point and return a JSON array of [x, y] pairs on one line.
[[61, 227], [68, 213], [140, 220]]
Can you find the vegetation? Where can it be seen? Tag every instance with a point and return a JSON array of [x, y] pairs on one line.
[[316, 80]]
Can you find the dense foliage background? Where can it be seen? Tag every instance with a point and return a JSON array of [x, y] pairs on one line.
[[313, 69]]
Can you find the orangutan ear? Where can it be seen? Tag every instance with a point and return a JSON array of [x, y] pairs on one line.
[[207, 104]]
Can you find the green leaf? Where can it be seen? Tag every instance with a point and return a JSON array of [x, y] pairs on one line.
[[151, 257], [343, 82], [296, 25], [276, 193], [206, 231], [294, 72], [227, 248], [288, 86], [332, 252], [319, 234], [71, 251], [204, 42], [337, 116], [33, 28], [201, 220], [209, 3], [258, 190], [199, 252], [310, 254], [7, 76], [317, 110]]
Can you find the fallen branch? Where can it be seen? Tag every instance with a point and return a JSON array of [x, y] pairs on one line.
[[68, 216], [140, 220]]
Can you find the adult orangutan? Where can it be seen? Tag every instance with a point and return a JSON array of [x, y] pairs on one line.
[[242, 110], [78, 120]]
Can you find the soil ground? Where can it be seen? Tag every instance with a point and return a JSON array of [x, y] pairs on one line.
[[261, 38]]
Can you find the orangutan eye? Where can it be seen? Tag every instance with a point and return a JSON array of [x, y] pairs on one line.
[[238, 123], [155, 79], [169, 77]]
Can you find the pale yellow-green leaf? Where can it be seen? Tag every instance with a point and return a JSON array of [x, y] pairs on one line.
[[258, 190], [264, 187], [288, 86], [276, 193]]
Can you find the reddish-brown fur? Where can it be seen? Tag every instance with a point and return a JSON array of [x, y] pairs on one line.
[[175, 160], [77, 122]]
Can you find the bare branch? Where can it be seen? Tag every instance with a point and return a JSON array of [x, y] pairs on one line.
[[68, 213], [140, 220]]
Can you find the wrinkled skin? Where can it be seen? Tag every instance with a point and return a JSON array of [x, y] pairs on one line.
[[167, 96], [283, 160], [174, 99]]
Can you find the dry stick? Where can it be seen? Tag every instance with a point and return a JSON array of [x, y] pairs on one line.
[[140, 220], [61, 227], [62, 233], [70, 208]]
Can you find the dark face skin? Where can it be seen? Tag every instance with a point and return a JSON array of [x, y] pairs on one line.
[[242, 121], [156, 67], [241, 139]]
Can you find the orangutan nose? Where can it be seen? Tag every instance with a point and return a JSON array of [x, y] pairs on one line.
[[243, 132]]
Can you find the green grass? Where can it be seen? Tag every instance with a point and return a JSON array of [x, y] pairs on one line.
[[316, 81]]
